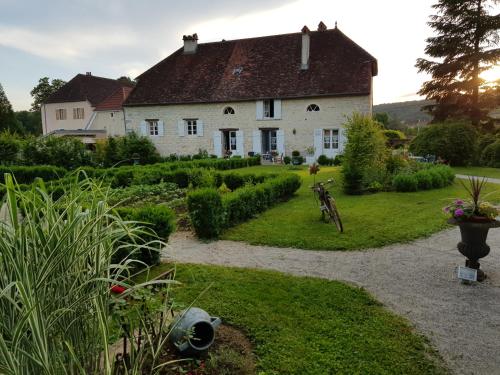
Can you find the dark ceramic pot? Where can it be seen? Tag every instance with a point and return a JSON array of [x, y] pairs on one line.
[[473, 245]]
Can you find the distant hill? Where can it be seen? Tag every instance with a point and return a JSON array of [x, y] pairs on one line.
[[408, 113]]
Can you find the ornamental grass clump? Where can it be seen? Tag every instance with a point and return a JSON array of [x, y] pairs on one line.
[[473, 208], [56, 273]]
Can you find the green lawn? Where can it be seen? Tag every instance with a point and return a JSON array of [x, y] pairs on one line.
[[478, 171], [372, 220], [307, 325]]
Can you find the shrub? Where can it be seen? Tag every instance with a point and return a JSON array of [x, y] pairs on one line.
[[405, 182], [64, 152], [394, 134], [9, 148], [324, 160], [210, 212], [395, 163], [424, 179], [298, 160], [287, 160], [160, 219], [365, 154], [206, 212], [132, 146], [233, 180], [453, 142], [295, 153], [338, 159], [28, 174], [491, 155]]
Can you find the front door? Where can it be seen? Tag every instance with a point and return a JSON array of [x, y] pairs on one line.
[[269, 141]]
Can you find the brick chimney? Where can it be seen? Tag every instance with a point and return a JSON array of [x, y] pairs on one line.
[[322, 26], [88, 73], [190, 43], [306, 41]]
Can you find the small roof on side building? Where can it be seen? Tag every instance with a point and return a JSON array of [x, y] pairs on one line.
[[84, 87]]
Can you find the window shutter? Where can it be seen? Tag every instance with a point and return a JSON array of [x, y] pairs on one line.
[[318, 142], [239, 143], [199, 128], [260, 109], [277, 109], [181, 128], [280, 141], [257, 141], [161, 129], [342, 140], [143, 128], [217, 136]]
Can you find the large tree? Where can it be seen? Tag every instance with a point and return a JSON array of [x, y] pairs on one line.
[[7, 118], [43, 90], [465, 44]]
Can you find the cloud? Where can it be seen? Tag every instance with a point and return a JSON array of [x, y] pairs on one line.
[[64, 45]]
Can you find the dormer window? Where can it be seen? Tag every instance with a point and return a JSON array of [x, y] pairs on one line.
[[229, 111], [312, 108], [269, 108]]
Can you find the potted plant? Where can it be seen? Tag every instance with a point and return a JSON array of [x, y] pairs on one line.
[[474, 217]]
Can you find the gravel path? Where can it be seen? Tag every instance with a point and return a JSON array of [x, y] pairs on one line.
[[489, 179], [415, 280]]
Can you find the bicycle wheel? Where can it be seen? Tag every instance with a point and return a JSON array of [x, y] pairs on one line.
[[334, 214]]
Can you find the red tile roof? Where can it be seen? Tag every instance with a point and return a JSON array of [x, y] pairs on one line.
[[256, 68], [115, 100], [87, 87]]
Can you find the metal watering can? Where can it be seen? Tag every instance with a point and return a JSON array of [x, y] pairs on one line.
[[193, 331]]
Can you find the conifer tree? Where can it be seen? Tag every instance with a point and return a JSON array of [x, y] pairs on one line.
[[465, 44], [7, 118]]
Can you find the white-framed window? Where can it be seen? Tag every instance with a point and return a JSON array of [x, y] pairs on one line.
[[330, 139], [191, 126], [153, 128], [312, 108], [269, 108], [78, 114], [61, 114], [273, 140], [232, 140], [229, 111]]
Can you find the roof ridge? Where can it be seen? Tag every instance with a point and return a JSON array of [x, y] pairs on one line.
[[269, 36]]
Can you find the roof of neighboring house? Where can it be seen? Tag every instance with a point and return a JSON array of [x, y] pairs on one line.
[[258, 68], [115, 100], [87, 87]]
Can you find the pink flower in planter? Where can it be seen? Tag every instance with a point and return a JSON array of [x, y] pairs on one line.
[[459, 202], [459, 212]]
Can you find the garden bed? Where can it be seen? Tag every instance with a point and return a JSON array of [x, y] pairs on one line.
[[306, 325]]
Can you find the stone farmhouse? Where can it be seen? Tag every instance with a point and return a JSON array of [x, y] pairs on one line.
[[262, 95], [86, 107]]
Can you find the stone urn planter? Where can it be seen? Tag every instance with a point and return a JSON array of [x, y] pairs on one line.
[[473, 246]]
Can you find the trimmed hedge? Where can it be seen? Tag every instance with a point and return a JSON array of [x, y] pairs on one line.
[[160, 219], [206, 212], [28, 174], [210, 212], [429, 177]]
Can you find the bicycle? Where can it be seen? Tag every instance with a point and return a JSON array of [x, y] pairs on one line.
[[327, 204]]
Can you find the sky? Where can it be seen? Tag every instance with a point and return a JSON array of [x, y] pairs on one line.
[[111, 38]]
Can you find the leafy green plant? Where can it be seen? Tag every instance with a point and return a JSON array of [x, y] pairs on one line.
[[365, 154], [57, 270], [451, 141], [405, 182], [491, 155], [64, 152], [9, 148]]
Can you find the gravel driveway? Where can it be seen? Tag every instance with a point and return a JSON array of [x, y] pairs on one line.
[[416, 280]]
